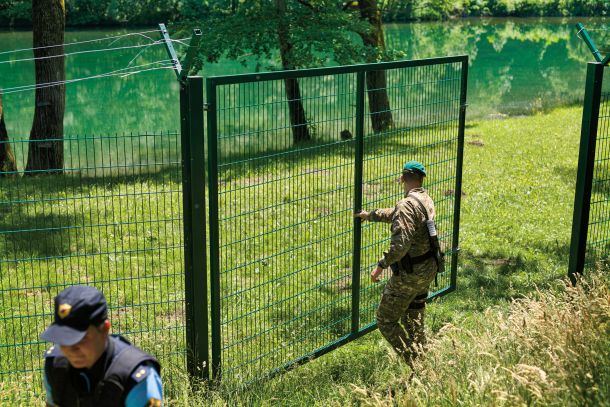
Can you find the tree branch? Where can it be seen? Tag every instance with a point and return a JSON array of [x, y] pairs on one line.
[[308, 5]]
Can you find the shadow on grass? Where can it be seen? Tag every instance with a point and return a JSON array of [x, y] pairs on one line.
[[35, 235], [47, 186], [397, 141], [494, 277]]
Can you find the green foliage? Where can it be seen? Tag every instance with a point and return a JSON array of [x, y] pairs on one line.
[[441, 9], [15, 13], [315, 33], [152, 12], [108, 12]]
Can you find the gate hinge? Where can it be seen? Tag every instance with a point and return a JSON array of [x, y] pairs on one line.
[[463, 107]]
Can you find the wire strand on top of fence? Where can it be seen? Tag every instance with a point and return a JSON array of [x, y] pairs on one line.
[[158, 42], [79, 52], [119, 72], [116, 37]]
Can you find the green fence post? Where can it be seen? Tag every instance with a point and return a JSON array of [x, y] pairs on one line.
[[193, 203], [199, 300], [214, 233], [186, 222], [455, 249], [589, 41], [586, 163], [358, 164]]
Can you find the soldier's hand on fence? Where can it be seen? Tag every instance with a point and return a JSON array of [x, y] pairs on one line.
[[364, 215], [375, 274]]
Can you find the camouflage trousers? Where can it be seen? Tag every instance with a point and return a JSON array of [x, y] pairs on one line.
[[400, 315]]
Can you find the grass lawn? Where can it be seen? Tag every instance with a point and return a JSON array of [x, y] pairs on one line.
[[518, 193]]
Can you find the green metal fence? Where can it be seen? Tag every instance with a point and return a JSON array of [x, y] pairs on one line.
[[590, 245], [111, 219], [289, 264]]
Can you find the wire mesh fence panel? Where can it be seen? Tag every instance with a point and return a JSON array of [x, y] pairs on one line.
[[284, 222], [598, 236], [424, 108], [110, 218], [284, 180]]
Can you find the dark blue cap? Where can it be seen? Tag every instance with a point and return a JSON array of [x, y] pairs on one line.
[[76, 308]]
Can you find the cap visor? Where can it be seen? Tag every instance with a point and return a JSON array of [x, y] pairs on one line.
[[63, 335]]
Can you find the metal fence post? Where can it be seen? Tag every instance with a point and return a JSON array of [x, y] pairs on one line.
[[197, 306], [458, 175], [586, 164], [193, 185], [214, 233], [358, 164]]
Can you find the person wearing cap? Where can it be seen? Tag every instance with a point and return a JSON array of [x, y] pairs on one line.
[[87, 366], [411, 258]]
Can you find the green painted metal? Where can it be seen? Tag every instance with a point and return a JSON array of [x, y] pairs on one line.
[[359, 157], [335, 70], [213, 225], [289, 263], [582, 31], [459, 170], [187, 213], [586, 169], [171, 52], [196, 280], [194, 226], [190, 54], [112, 220]]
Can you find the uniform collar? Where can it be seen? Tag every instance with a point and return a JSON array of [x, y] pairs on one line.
[[418, 190]]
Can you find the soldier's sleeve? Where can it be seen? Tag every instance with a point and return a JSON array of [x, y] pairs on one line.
[[148, 391], [382, 215], [404, 221]]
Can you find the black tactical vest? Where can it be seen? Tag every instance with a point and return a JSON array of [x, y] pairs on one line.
[[113, 387]]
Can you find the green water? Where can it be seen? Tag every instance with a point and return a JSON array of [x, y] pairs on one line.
[[517, 66]]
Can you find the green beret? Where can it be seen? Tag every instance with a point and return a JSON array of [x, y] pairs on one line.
[[414, 166]]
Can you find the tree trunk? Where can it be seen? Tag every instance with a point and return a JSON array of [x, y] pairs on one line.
[[298, 121], [376, 83], [8, 166], [46, 150]]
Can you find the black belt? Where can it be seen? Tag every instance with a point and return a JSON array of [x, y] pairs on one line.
[[408, 262], [422, 258]]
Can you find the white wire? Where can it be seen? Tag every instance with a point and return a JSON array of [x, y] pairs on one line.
[[83, 42], [140, 53], [122, 75], [105, 73], [140, 34], [118, 72], [84, 52], [182, 43]]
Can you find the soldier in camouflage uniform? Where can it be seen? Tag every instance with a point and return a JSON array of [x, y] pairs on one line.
[[412, 262]]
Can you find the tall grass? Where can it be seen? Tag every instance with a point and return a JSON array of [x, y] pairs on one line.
[[550, 348]]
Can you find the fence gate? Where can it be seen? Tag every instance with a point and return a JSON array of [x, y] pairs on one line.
[[291, 155], [591, 225]]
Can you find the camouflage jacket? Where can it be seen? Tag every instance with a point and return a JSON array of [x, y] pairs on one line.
[[409, 232]]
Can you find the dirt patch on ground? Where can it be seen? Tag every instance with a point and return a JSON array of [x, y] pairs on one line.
[[477, 143]]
